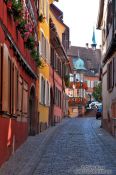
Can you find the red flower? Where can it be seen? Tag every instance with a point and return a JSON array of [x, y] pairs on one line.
[[26, 36], [84, 85], [17, 23], [9, 5], [36, 43], [78, 85]]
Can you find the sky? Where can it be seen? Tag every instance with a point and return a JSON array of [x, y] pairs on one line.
[[81, 17]]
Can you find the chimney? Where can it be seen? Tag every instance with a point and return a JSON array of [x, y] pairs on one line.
[[87, 45]]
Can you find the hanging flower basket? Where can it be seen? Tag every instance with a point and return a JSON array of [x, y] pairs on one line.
[[78, 85], [67, 81], [17, 8], [84, 85]]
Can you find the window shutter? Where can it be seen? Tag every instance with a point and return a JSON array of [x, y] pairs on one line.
[[108, 83], [47, 10], [40, 84], [5, 79], [47, 51], [110, 75], [1, 73], [40, 44], [15, 90], [46, 93], [20, 92], [44, 47], [112, 72], [49, 95], [115, 71], [25, 99]]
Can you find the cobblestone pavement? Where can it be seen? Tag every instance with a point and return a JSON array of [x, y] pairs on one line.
[[77, 146]]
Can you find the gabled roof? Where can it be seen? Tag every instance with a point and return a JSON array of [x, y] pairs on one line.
[[100, 13], [58, 14], [92, 58]]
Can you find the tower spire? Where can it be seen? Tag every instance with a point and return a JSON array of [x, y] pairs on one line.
[[93, 39]]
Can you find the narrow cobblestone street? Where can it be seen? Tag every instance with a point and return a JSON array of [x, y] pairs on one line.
[[76, 146]]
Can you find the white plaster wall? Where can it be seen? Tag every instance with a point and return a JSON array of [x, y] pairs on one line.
[[108, 97]]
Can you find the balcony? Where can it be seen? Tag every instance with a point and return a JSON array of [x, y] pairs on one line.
[[77, 101]]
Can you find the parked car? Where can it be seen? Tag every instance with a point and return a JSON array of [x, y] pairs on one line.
[[94, 104], [99, 111]]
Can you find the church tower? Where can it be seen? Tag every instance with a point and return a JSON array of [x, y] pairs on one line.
[[94, 44]]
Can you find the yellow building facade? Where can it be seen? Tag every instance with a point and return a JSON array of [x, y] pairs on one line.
[[60, 27], [43, 71]]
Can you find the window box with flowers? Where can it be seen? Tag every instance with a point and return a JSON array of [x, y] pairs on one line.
[[84, 85], [15, 8], [27, 29]]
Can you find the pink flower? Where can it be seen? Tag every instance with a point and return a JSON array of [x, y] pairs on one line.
[[26, 36]]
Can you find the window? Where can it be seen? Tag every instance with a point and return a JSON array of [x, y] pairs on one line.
[[115, 71], [25, 99], [42, 3], [110, 76], [88, 83], [15, 91], [47, 97], [44, 91], [9, 86], [71, 78], [47, 10], [96, 83], [47, 51], [20, 95], [52, 57], [92, 84], [58, 97], [44, 47]]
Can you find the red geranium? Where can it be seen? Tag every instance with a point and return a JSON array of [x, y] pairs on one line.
[[9, 5]]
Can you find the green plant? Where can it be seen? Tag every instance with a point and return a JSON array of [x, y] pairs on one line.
[[67, 80], [21, 25], [97, 92], [17, 8], [35, 56], [30, 43], [41, 18]]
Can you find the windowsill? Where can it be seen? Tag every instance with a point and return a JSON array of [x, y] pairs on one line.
[[110, 90], [7, 115]]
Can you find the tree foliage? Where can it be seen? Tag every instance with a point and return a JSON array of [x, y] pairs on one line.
[[97, 92]]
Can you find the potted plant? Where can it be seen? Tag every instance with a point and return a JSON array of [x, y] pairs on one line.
[[67, 81], [41, 18], [17, 9], [29, 42]]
